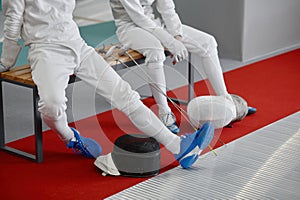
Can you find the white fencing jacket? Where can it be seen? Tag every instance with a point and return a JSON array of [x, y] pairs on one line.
[[36, 22], [141, 13]]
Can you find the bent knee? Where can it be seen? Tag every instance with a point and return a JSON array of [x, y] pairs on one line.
[[154, 55], [211, 46], [212, 42]]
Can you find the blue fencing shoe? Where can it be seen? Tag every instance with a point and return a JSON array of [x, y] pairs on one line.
[[206, 135], [85, 146], [251, 110], [191, 145]]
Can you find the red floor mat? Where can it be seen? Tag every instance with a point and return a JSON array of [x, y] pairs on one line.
[[272, 86]]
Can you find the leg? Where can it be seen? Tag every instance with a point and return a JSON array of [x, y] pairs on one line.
[[153, 51], [151, 48], [204, 49], [98, 74], [51, 67], [51, 77]]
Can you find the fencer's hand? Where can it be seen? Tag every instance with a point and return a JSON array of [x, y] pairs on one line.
[[175, 46], [178, 51], [178, 37], [3, 68]]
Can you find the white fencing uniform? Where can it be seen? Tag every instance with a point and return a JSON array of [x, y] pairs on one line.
[[58, 51], [138, 28]]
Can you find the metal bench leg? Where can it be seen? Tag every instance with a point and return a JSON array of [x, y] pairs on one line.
[[190, 83], [38, 130], [191, 79], [38, 157]]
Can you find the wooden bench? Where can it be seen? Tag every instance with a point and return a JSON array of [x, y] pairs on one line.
[[22, 76]]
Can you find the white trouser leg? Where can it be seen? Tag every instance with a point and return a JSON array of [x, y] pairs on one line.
[[60, 126], [157, 83], [148, 45], [51, 66], [97, 73], [205, 57]]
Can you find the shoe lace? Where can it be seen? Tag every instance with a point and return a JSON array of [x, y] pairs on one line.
[[79, 146]]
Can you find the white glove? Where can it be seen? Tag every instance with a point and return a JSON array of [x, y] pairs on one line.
[[3, 68], [10, 53], [177, 49]]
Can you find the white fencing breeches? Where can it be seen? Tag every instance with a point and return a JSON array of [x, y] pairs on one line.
[[148, 45], [204, 57], [53, 64]]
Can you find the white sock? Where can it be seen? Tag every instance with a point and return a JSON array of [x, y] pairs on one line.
[[61, 127]]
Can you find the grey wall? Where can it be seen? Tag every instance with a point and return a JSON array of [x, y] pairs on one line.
[[223, 19], [271, 26], [246, 29]]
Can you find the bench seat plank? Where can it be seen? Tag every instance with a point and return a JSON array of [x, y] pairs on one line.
[[22, 73]]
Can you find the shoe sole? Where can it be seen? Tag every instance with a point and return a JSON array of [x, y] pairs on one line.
[[206, 136], [188, 161]]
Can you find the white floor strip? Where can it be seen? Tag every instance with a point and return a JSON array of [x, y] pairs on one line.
[[262, 165]]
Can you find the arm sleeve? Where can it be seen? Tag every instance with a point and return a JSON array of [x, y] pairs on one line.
[[136, 13], [13, 11], [171, 19]]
